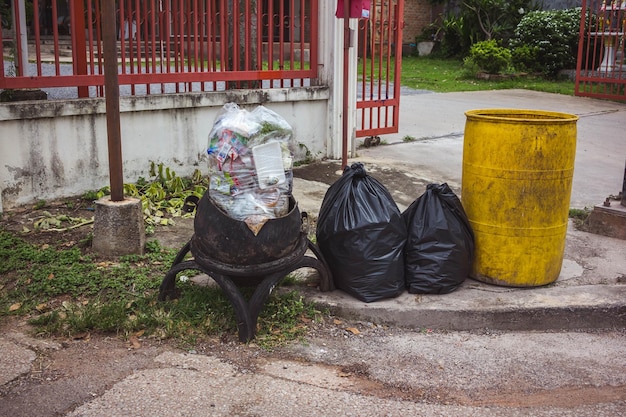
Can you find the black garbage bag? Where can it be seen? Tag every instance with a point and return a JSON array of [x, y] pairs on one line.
[[361, 234], [440, 242]]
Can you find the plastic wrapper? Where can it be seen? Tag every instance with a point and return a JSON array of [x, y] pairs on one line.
[[440, 245], [250, 164], [361, 234]]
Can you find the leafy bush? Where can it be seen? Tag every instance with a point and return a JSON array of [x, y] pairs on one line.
[[524, 58], [490, 57], [5, 15], [479, 20], [456, 38], [554, 34]]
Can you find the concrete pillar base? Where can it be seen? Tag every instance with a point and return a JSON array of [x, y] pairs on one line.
[[608, 221], [118, 227]]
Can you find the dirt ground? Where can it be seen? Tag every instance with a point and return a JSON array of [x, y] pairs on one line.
[[472, 368], [404, 188]]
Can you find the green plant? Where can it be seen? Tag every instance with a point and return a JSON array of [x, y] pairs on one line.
[[95, 194], [490, 57], [431, 32], [162, 196], [40, 204], [456, 37], [153, 246], [408, 138], [524, 58], [553, 34], [284, 318], [308, 156], [579, 216], [479, 20], [5, 15], [495, 19]]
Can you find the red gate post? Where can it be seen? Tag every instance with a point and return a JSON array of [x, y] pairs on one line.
[[79, 43]]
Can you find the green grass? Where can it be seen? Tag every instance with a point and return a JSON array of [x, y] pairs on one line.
[[448, 75], [63, 292]]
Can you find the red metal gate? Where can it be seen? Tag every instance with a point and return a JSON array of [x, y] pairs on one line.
[[601, 69], [163, 46], [380, 60]]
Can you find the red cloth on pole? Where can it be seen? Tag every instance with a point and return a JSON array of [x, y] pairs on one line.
[[359, 9]]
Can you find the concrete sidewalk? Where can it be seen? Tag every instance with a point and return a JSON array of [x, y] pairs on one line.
[[591, 289]]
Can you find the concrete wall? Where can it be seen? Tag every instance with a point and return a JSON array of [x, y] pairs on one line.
[[560, 4], [55, 149]]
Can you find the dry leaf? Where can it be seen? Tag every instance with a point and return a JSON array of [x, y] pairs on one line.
[[15, 306], [51, 276], [140, 333], [344, 374], [45, 246], [41, 307], [82, 336], [337, 322], [134, 342], [353, 330]]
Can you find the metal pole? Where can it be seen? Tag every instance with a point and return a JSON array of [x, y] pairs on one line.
[[112, 95], [21, 37], [346, 58]]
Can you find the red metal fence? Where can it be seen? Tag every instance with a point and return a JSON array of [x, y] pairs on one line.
[[601, 69], [380, 52], [166, 46]]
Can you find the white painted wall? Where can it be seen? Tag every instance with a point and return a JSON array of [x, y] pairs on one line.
[[55, 149]]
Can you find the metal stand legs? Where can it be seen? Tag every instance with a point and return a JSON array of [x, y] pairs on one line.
[[264, 276]]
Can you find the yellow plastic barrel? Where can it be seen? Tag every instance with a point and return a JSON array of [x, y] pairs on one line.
[[516, 186]]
